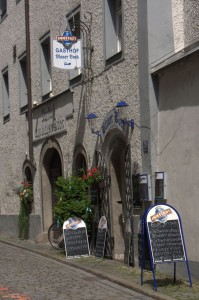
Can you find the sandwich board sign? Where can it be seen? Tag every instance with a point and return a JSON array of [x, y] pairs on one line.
[[101, 237], [162, 228], [75, 238]]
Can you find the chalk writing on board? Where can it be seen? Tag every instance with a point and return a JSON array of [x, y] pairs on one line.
[[101, 236], [76, 242], [166, 241], [75, 237]]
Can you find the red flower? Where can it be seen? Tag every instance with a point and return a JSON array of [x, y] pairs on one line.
[[94, 170]]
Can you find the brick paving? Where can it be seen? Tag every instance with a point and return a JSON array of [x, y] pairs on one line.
[[101, 272]]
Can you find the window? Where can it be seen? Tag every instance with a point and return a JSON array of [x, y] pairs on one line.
[[46, 84], [5, 91], [23, 94], [3, 9], [113, 30], [73, 20]]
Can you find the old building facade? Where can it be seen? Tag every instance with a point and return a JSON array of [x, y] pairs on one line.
[[140, 52]]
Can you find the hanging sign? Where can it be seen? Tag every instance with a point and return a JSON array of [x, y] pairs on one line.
[[75, 238], [101, 237], [68, 58]]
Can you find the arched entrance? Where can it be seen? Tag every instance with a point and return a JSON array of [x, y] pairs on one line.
[[51, 169], [117, 191], [79, 160], [116, 153]]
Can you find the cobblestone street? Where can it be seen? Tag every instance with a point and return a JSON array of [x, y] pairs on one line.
[[31, 276]]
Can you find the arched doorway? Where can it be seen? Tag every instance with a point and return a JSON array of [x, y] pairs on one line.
[[51, 169], [117, 191], [116, 153], [79, 160]]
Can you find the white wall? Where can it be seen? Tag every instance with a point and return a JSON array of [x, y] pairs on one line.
[[178, 143]]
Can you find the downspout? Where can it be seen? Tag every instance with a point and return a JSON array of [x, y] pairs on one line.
[[28, 70]]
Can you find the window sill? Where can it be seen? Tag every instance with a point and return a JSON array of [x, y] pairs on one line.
[[76, 80], [115, 59], [23, 109], [6, 119], [3, 17]]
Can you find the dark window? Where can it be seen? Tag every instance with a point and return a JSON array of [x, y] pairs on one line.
[[46, 84], [5, 89], [113, 29], [3, 9], [23, 98], [73, 20]]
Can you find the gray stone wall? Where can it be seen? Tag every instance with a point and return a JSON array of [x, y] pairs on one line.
[[119, 81], [13, 134]]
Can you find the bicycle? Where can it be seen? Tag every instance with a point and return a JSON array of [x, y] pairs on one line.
[[55, 236]]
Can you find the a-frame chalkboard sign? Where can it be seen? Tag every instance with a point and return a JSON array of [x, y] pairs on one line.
[[101, 237], [75, 238], [162, 229]]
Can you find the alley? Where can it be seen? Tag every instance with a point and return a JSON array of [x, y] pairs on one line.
[[43, 279]]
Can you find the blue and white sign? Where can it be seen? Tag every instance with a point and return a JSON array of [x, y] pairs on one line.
[[67, 39], [67, 58]]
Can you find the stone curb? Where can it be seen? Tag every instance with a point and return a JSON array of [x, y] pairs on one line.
[[133, 286]]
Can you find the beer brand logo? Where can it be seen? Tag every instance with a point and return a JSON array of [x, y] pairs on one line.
[[161, 214], [74, 223], [67, 39]]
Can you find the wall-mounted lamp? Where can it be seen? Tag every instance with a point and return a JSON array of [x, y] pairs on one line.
[[121, 113], [92, 123]]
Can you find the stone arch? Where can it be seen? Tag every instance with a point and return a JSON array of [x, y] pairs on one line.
[[51, 167], [79, 158], [28, 171], [113, 150]]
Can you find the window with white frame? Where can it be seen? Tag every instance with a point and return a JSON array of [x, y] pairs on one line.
[[23, 94], [113, 28], [5, 94], [73, 20], [46, 83], [3, 9]]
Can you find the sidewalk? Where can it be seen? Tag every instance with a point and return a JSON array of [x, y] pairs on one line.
[[116, 272]]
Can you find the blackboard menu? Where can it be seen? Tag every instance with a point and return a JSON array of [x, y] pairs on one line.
[[75, 237], [165, 235], [161, 226], [100, 243], [166, 241], [101, 237]]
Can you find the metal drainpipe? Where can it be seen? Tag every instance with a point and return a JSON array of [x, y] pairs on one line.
[[28, 70]]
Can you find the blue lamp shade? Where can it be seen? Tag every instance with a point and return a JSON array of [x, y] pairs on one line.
[[91, 116], [121, 104]]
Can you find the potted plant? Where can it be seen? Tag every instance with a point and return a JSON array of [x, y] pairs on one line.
[[93, 177], [72, 199], [25, 193]]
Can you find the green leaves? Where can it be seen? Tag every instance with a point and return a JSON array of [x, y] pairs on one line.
[[72, 199]]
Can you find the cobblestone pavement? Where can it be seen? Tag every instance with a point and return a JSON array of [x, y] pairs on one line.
[[109, 270], [43, 278]]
